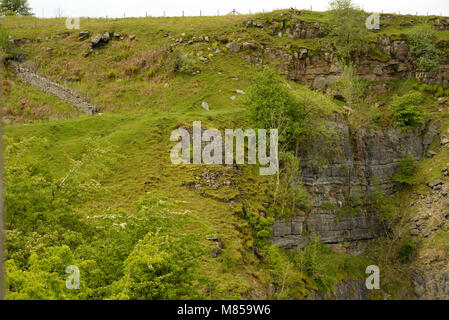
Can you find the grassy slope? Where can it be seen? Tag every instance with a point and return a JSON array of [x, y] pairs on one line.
[[139, 114]]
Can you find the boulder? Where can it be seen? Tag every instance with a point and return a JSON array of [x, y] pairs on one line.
[[83, 35], [106, 37], [234, 47], [96, 41], [444, 140], [435, 184], [249, 45]]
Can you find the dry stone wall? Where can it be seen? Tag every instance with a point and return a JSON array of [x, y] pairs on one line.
[[47, 86]]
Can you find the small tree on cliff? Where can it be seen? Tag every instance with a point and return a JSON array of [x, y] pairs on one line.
[[348, 28], [18, 7], [273, 106]]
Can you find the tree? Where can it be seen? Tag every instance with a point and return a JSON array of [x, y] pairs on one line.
[[273, 106], [422, 45], [20, 7], [351, 86], [348, 28]]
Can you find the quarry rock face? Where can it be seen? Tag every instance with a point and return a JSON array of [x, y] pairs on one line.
[[387, 60], [431, 284], [361, 161]]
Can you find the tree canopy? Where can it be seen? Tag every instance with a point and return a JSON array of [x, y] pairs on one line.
[[17, 7]]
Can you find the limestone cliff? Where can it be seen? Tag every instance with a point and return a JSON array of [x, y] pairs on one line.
[[365, 156]]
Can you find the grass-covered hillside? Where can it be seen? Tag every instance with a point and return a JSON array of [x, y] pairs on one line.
[[100, 192]]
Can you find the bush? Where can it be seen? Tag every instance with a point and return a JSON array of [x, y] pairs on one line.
[[406, 249], [272, 106], [348, 28], [351, 87], [422, 45], [407, 112], [407, 169], [181, 63], [111, 74]]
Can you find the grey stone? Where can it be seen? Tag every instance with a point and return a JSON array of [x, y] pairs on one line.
[[83, 35], [205, 105], [234, 47], [431, 154], [96, 41], [47, 86], [249, 45], [106, 37], [435, 184]]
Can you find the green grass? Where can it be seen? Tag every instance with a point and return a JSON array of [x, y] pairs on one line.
[[139, 111]]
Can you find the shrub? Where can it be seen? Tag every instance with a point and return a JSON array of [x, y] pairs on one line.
[[350, 86], [181, 63], [422, 45], [272, 105], [407, 112], [348, 28], [407, 169], [111, 74], [406, 249]]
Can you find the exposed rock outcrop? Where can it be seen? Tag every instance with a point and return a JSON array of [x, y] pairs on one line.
[[363, 159], [346, 290], [431, 284]]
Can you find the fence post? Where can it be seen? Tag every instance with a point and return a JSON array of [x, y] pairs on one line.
[[218, 13], [183, 13], [200, 13]]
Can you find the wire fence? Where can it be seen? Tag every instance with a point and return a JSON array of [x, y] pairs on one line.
[[218, 13]]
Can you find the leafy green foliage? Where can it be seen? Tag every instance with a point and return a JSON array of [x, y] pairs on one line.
[[20, 7], [4, 40], [351, 87], [378, 201], [290, 281], [180, 63], [422, 45], [347, 23], [41, 212], [272, 106], [436, 90], [407, 169], [291, 194], [407, 112], [316, 268]]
